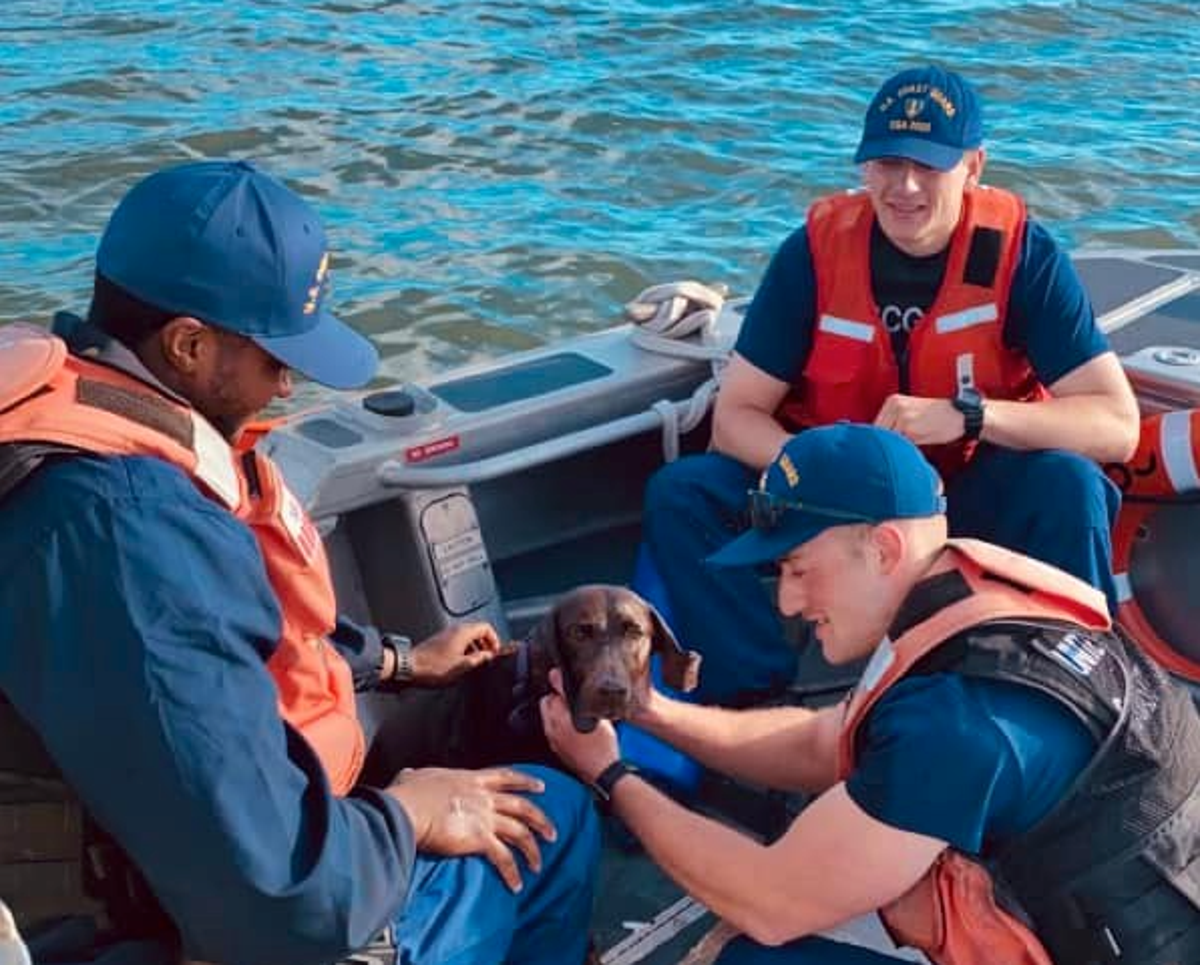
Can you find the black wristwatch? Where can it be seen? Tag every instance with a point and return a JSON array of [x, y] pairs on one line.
[[402, 665], [607, 779], [970, 403]]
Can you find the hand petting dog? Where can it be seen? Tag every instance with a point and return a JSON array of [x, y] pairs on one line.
[[586, 754]]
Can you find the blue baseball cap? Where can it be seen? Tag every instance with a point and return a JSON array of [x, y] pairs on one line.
[[829, 476], [926, 114], [225, 243]]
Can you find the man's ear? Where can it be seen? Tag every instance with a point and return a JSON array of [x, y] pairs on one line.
[[185, 343], [887, 544], [976, 161]]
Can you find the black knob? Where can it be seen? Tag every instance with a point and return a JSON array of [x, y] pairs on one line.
[[392, 402]]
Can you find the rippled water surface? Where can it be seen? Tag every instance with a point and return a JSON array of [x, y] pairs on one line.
[[495, 174]]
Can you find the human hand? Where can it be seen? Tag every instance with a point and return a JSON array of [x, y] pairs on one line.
[[586, 754], [456, 813], [926, 422], [12, 948], [443, 658]]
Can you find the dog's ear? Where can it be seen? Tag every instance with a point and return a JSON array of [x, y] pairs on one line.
[[543, 636], [680, 668]]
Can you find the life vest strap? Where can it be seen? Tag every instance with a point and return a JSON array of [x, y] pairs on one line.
[[142, 408]]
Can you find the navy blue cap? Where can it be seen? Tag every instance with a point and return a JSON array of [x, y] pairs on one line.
[[227, 244], [926, 114], [833, 476]]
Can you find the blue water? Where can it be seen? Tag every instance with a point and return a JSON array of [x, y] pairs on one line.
[[496, 174]]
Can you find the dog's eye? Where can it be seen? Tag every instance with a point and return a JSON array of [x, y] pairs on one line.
[[579, 632], [633, 630]]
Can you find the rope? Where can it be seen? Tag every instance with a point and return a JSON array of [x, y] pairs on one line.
[[664, 315]]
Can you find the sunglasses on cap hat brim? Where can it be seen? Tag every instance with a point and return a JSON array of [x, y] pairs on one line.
[[768, 510]]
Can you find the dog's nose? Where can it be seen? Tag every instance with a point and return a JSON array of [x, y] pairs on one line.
[[612, 690]]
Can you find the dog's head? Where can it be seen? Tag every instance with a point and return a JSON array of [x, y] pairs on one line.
[[601, 638]]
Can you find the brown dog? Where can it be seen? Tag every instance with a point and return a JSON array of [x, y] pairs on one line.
[[601, 638]]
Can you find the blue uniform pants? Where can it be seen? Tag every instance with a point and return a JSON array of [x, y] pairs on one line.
[[806, 951], [1052, 505], [459, 912]]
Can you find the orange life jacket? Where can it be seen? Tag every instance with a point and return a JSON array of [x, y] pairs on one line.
[[48, 395], [952, 914], [851, 367]]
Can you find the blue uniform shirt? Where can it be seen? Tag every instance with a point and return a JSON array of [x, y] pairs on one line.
[[971, 762], [1049, 318], [135, 619]]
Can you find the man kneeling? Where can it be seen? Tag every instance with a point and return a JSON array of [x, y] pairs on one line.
[[1009, 783]]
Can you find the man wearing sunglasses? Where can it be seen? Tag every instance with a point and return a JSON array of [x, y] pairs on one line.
[[929, 304], [1001, 732]]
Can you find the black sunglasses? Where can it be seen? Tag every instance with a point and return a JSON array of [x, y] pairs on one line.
[[767, 510]]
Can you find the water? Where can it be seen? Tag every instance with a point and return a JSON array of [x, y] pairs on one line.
[[496, 174]]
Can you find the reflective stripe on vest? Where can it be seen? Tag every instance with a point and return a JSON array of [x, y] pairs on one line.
[[54, 397]]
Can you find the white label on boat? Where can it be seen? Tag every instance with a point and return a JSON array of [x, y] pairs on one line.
[[428, 450], [468, 541], [461, 564]]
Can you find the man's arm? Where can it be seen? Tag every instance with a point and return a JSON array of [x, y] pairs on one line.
[[744, 423], [145, 618], [437, 661], [834, 863], [789, 748], [1092, 409], [770, 351]]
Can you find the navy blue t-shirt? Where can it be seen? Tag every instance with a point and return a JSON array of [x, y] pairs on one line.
[[1049, 318], [968, 761]]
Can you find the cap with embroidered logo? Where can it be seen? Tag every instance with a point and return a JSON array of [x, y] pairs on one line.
[[228, 244], [834, 475], [926, 114]]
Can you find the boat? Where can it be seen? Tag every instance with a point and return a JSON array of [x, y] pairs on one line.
[[485, 492]]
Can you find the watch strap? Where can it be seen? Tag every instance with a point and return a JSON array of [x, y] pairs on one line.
[[607, 779], [970, 404], [402, 665]]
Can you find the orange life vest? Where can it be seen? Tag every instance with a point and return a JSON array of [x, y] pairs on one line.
[[48, 395], [1164, 467], [952, 914], [851, 367]]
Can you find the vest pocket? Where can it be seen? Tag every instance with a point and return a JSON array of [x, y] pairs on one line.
[[838, 379]]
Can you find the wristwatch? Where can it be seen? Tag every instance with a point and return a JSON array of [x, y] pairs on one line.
[[969, 402], [607, 779], [401, 648]]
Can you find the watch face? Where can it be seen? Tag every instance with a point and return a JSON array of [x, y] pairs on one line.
[[969, 395]]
